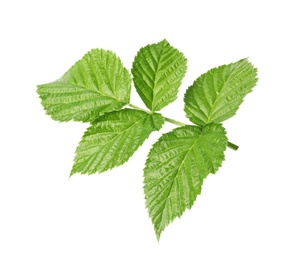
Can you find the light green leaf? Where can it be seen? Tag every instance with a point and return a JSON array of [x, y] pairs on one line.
[[176, 167], [113, 138], [158, 70], [95, 85], [216, 95]]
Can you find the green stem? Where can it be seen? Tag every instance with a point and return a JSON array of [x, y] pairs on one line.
[[139, 108], [175, 122], [232, 146], [172, 121]]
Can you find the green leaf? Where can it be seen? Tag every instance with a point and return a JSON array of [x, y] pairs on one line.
[[176, 167], [95, 85], [158, 70], [216, 95], [113, 138]]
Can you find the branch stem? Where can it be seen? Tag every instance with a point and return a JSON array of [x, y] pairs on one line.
[[175, 122], [139, 108], [172, 121]]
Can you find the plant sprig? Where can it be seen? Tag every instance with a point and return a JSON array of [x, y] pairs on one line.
[[97, 88]]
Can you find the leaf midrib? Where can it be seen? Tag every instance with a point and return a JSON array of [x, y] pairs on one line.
[[156, 71], [174, 179], [120, 133], [96, 91], [218, 94]]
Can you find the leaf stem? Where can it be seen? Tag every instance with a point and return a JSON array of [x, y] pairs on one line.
[[232, 146], [139, 108], [175, 122], [172, 121]]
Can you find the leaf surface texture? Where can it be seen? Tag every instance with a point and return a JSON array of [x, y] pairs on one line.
[[93, 86], [113, 138], [175, 169], [158, 70], [217, 94]]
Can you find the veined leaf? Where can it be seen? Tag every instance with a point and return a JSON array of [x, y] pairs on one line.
[[96, 84], [158, 70], [216, 95], [176, 167], [113, 138]]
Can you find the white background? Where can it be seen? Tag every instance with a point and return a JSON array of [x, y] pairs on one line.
[[248, 210]]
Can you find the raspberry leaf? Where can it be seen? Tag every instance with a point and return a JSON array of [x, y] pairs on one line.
[[217, 94], [95, 85], [112, 139], [158, 70], [175, 169]]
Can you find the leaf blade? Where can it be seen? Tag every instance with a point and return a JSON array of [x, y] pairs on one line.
[[176, 167], [96, 84], [158, 70], [112, 139], [216, 95]]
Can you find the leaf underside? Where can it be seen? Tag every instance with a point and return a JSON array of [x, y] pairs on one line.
[[112, 139], [93, 86], [158, 70], [175, 169], [216, 95]]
